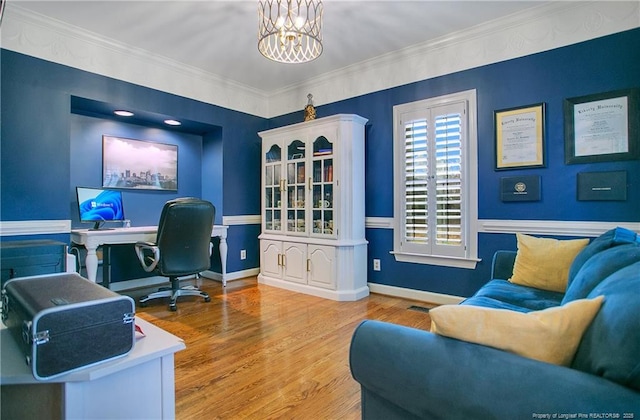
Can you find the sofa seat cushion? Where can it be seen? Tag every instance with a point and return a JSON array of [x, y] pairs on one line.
[[599, 267], [502, 294], [610, 346]]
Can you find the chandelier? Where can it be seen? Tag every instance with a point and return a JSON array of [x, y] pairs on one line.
[[290, 31]]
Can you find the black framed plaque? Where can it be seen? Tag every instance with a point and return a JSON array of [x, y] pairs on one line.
[[602, 186], [520, 188]]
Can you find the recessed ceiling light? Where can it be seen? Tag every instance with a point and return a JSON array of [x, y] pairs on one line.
[[123, 113], [172, 122]]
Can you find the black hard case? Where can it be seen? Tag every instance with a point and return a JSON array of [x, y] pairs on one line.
[[63, 322]]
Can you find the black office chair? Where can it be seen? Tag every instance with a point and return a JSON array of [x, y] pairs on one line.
[[182, 247]]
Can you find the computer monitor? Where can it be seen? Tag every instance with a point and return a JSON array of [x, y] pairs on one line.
[[99, 205]]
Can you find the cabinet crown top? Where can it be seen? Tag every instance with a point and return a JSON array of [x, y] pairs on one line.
[[324, 120]]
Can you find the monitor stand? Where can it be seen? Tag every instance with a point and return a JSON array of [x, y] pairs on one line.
[[98, 226]]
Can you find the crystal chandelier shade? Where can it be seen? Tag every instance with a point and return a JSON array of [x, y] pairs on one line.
[[290, 31]]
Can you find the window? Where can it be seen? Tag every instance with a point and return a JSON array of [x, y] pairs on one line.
[[435, 180]]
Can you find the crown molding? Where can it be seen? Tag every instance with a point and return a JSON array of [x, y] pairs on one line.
[[551, 25], [39, 36], [546, 27]]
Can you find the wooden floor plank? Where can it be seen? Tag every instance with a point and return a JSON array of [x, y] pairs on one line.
[[259, 352]]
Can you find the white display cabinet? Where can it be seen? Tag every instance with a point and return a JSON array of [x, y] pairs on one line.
[[313, 222]]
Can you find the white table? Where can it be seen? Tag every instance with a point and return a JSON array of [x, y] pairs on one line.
[[92, 239], [138, 385]]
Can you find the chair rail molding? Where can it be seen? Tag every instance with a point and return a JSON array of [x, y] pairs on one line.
[[533, 227], [553, 227], [34, 227], [250, 219]]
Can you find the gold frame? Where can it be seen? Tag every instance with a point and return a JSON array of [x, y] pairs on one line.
[[529, 121]]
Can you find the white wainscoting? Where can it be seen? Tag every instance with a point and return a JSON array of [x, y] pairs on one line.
[[531, 227]]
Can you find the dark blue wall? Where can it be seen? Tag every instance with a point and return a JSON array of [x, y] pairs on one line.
[[140, 206], [601, 65], [41, 139], [53, 118]]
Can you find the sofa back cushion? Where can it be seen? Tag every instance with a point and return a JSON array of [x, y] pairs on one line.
[[599, 267], [611, 238], [610, 346]]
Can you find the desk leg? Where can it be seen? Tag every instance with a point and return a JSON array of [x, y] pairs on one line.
[[223, 259], [106, 265], [91, 263]]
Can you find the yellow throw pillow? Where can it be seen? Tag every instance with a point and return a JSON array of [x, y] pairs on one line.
[[551, 335], [544, 263]]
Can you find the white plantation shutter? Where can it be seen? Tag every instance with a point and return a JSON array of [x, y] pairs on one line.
[[431, 178], [448, 179], [416, 182]]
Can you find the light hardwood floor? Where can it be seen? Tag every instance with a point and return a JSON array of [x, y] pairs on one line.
[[259, 352]]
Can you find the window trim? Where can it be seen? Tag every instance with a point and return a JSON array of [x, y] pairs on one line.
[[470, 179]]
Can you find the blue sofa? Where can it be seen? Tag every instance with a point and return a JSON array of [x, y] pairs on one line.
[[413, 374]]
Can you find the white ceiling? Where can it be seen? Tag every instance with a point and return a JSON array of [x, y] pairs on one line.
[[220, 37]]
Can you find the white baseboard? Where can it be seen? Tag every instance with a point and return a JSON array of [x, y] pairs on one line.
[[236, 275], [419, 295], [138, 283], [338, 295], [159, 280]]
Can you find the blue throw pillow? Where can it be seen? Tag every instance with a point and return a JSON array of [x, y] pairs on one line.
[[610, 347]]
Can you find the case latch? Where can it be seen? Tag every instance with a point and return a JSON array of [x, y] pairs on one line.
[[41, 337]]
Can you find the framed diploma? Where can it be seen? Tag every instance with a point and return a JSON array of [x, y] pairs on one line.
[[602, 127], [520, 137]]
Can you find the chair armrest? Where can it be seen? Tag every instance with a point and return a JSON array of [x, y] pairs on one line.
[[502, 264], [437, 377], [149, 255]]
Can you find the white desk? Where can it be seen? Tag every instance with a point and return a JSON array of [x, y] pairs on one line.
[[92, 239], [138, 385]]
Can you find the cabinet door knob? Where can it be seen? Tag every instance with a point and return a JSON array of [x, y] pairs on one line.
[[308, 264]]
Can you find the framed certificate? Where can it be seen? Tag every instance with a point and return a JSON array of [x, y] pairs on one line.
[[520, 137], [602, 127]]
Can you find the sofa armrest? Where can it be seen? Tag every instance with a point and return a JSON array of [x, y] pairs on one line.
[[431, 376], [502, 264]]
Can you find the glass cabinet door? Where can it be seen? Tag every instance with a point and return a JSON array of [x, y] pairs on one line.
[[296, 187], [322, 189], [273, 187]]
